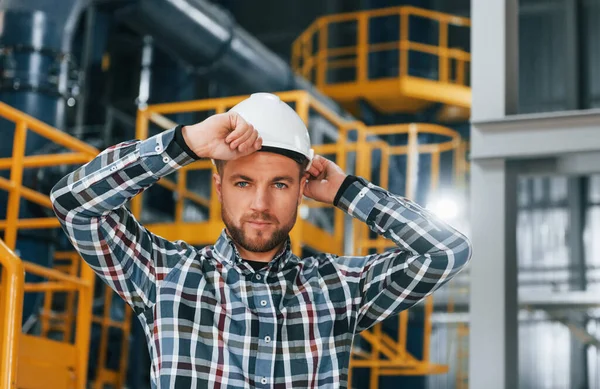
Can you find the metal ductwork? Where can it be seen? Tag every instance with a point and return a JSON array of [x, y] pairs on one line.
[[207, 38]]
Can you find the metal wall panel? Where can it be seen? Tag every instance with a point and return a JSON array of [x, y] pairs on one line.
[[542, 63], [591, 52]]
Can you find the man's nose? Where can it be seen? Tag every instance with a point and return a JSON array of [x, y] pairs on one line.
[[260, 201]]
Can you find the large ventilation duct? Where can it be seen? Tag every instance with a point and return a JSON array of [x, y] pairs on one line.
[[206, 37]]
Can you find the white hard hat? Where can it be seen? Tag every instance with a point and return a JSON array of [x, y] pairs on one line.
[[280, 127]]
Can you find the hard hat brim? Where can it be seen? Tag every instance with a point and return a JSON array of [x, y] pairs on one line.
[[296, 156]]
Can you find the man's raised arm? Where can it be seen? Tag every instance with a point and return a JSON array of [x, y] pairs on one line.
[[90, 202], [429, 253]]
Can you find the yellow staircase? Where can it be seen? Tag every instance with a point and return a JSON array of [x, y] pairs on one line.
[[318, 59]]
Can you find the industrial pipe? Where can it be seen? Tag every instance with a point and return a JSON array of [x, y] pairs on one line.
[[209, 40]]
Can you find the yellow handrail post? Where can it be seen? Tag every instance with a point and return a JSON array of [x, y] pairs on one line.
[[322, 55], [404, 43], [16, 177], [460, 71], [308, 63], [362, 48], [11, 298], [443, 51], [84, 323]]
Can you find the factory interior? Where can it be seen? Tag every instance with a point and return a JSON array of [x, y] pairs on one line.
[[487, 112]]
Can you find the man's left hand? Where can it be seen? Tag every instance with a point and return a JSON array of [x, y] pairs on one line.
[[324, 180]]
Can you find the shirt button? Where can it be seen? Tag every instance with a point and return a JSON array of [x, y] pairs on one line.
[[263, 302], [166, 159], [258, 277], [113, 168], [267, 339], [158, 149], [264, 380]]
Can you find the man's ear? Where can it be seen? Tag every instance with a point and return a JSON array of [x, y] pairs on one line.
[[303, 180], [217, 179]]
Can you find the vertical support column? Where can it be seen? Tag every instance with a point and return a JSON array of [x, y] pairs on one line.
[[577, 205], [493, 346], [577, 200], [494, 58]]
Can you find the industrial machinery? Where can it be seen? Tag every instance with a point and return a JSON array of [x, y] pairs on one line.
[[350, 114]]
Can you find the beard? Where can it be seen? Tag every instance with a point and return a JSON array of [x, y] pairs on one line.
[[262, 243]]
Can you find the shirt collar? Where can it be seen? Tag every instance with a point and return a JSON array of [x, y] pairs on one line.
[[226, 249]]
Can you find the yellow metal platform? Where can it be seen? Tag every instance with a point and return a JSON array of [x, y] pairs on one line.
[[405, 87]]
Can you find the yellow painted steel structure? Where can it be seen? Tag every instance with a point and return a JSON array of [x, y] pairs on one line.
[[388, 356], [11, 309], [52, 322], [314, 58], [30, 361]]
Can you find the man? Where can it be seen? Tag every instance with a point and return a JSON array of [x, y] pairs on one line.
[[246, 312]]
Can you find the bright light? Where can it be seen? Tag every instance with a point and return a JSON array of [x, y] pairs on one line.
[[445, 208]]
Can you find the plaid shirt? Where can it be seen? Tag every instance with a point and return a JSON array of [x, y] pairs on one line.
[[209, 318]]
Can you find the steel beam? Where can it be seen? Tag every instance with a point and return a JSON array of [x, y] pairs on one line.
[[536, 135], [493, 360]]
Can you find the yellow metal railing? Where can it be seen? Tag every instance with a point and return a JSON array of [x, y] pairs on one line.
[[73, 371], [41, 362], [390, 356], [81, 153], [11, 308], [313, 57]]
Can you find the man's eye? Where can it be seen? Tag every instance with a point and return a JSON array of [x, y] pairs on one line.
[[241, 184], [280, 185]]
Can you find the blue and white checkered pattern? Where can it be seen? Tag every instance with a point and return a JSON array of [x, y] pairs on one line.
[[209, 318]]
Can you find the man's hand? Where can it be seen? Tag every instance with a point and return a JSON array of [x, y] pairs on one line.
[[324, 180], [225, 136]]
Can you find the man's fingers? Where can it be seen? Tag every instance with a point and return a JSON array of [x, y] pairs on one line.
[[249, 142], [317, 167], [240, 127], [243, 137]]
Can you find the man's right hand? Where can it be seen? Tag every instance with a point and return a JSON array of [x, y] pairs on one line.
[[224, 136]]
